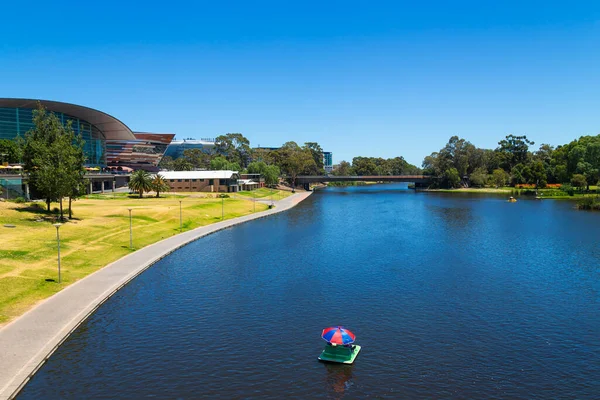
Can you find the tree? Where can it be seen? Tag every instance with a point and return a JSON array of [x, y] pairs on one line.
[[10, 151], [182, 164], [586, 169], [479, 177], [197, 158], [513, 150], [140, 181], [579, 181], [317, 154], [54, 158], [167, 163], [344, 168], [235, 147], [294, 160], [159, 184], [220, 163], [499, 177], [451, 178], [271, 174]]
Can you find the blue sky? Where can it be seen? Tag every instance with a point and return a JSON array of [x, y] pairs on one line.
[[363, 78]]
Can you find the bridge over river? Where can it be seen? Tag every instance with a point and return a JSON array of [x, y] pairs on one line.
[[418, 180]]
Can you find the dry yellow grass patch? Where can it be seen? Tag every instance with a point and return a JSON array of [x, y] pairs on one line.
[[97, 236]]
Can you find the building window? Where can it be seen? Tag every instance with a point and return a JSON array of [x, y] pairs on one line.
[[171, 180], [186, 180], [222, 182], [201, 180], [193, 180], [178, 180], [211, 181]]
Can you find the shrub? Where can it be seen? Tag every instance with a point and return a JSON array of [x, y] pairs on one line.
[[55, 210], [19, 200], [568, 189], [589, 203], [223, 196]]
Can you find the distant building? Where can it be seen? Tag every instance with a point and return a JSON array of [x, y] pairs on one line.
[[144, 152], [328, 161], [177, 147], [108, 141], [202, 181]]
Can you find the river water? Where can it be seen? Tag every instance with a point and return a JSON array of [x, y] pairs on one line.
[[450, 297]]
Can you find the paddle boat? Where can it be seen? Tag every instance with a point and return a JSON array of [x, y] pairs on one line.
[[339, 347], [512, 200]]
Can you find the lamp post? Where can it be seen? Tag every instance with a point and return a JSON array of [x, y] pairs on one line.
[[222, 208], [58, 247], [180, 220], [130, 231], [254, 200]]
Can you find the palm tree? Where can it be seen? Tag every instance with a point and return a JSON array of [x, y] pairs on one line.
[[140, 181], [159, 184]]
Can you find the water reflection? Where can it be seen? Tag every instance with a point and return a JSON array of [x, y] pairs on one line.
[[338, 379]]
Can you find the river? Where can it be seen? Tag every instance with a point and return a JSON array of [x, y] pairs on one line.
[[450, 296]]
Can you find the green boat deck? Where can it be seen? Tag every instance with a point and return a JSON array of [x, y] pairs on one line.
[[339, 354]]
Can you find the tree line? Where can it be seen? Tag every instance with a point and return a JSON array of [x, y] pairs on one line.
[[460, 164], [232, 152]]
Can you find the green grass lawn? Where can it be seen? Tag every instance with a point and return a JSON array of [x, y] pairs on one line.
[[98, 235], [265, 192]]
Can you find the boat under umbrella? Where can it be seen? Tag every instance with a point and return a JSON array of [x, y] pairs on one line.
[[339, 346]]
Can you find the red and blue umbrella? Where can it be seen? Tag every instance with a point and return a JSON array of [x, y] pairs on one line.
[[338, 335]]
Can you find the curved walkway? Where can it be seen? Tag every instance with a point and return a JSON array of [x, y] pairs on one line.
[[27, 342]]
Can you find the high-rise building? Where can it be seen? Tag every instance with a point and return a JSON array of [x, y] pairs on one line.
[[328, 161]]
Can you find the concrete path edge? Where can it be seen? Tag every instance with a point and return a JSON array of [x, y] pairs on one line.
[[28, 341]]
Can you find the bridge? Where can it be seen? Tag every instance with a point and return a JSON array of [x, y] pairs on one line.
[[418, 180]]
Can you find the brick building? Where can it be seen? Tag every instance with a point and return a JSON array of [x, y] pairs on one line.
[[202, 181]]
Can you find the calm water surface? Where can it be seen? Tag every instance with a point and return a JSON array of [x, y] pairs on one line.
[[450, 297]]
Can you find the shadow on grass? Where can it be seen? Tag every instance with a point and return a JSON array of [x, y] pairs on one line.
[[50, 280]]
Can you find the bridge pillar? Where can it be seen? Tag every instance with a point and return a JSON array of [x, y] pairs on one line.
[[307, 186], [91, 187], [113, 185], [27, 191]]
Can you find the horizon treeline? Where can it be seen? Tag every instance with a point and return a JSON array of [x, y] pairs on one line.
[[460, 164]]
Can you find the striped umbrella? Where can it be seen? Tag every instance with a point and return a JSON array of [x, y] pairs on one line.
[[338, 335]]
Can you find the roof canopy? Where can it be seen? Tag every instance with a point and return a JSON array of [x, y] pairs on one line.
[[109, 125], [199, 174]]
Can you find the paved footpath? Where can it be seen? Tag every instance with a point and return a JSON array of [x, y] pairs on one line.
[[27, 342]]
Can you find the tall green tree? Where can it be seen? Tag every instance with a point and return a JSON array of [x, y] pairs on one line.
[[53, 157], [317, 154], [235, 147], [294, 160], [513, 150], [140, 181]]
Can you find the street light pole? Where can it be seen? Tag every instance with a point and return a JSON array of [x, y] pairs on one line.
[[222, 208], [254, 200], [130, 231], [180, 220], [58, 247]]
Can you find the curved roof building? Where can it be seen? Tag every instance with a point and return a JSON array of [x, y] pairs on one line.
[[96, 128]]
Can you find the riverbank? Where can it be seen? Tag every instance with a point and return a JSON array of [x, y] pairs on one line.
[[29, 340], [98, 235], [555, 194]]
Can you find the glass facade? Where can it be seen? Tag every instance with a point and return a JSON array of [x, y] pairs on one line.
[[16, 122]]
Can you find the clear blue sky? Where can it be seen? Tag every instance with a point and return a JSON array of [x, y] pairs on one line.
[[361, 78]]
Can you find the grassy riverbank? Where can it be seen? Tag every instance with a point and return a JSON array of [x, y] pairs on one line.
[[265, 193], [97, 236], [511, 191]]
